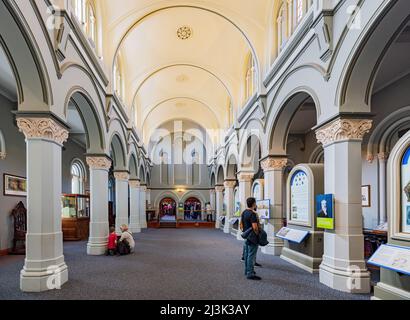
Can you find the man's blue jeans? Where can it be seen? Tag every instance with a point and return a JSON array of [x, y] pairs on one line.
[[250, 257]]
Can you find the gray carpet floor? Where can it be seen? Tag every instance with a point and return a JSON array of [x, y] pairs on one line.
[[174, 264]]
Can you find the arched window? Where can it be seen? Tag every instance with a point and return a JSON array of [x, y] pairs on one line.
[[250, 77], [405, 185], [78, 177], [118, 79], [84, 10], [282, 26]]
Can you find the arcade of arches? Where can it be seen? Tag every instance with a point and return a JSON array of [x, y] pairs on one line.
[[172, 113]]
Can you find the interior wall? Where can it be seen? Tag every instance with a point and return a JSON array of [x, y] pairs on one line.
[[72, 151]]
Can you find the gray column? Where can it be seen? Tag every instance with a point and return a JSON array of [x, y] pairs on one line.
[[245, 186], [383, 157], [99, 225], [219, 202], [121, 199], [273, 189], [44, 266], [229, 188], [143, 206], [343, 267], [135, 225], [212, 201]]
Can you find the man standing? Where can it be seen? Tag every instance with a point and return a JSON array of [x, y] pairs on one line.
[[249, 219]]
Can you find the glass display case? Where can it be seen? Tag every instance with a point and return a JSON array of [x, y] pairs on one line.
[[75, 211]]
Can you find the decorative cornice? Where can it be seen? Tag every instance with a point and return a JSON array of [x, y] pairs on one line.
[[3, 155], [245, 177], [343, 129], [134, 184], [230, 184], [272, 163], [99, 163], [219, 189], [121, 175], [212, 191], [44, 128]]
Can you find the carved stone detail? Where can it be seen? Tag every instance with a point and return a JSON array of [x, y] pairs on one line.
[[99, 163], [120, 175], [134, 184], [343, 129], [144, 189], [370, 158], [245, 177], [45, 128], [219, 189], [272, 163], [383, 156], [230, 184]]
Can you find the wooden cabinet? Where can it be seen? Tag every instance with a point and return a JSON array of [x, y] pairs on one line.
[[75, 217]]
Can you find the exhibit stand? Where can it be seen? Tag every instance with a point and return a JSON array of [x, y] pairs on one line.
[[394, 258], [303, 239]]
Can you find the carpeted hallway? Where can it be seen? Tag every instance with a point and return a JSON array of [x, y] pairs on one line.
[[171, 264]]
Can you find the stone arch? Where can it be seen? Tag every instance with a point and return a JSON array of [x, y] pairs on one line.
[[213, 179], [118, 152], [250, 151], [133, 164], [165, 194], [193, 194], [231, 167], [360, 66], [32, 82], [142, 175], [220, 178], [281, 122]]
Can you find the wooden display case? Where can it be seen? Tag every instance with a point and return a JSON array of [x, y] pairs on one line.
[[75, 217]]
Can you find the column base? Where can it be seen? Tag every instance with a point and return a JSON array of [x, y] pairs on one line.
[[355, 281], [218, 224], [383, 291], [227, 228], [274, 248], [40, 281], [239, 235], [300, 260], [96, 249]]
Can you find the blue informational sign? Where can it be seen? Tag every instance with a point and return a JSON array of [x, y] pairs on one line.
[[325, 211]]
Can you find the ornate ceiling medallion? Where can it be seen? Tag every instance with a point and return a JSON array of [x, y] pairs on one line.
[[182, 78], [184, 33]]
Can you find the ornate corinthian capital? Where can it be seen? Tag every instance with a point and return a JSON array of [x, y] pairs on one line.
[[99, 163], [230, 184], [45, 128], [343, 129], [383, 156], [219, 189], [121, 175], [245, 177], [134, 184], [272, 163]]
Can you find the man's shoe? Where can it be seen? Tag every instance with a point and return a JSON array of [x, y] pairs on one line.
[[254, 278], [258, 265]]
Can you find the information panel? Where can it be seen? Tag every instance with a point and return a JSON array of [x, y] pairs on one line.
[[393, 258], [299, 197], [263, 209], [325, 211], [292, 235]]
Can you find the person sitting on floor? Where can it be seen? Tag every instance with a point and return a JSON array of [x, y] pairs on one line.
[[126, 244], [112, 243]]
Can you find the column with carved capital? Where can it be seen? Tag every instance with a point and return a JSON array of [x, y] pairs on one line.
[[245, 185], [143, 206], [44, 267], [99, 228], [212, 201], [121, 199], [219, 204], [229, 194], [135, 225], [343, 267], [273, 189], [383, 157]]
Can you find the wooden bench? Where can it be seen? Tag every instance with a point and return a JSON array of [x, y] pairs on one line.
[[19, 214]]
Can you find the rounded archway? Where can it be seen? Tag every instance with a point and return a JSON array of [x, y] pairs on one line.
[[168, 209], [192, 209]]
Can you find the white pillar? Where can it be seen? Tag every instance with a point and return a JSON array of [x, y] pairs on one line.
[[44, 267], [343, 267], [383, 157], [135, 225], [273, 189], [219, 203], [229, 189], [212, 201], [121, 199], [245, 186], [149, 197], [99, 228], [143, 206]]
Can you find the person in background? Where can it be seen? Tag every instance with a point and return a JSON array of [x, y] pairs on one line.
[[112, 243], [209, 215], [126, 238], [249, 219]]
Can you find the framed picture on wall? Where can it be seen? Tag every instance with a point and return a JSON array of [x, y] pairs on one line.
[[366, 200], [14, 186]]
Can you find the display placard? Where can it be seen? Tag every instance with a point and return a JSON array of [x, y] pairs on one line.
[[393, 258], [237, 209], [325, 211], [233, 220], [292, 235], [263, 209], [299, 197]]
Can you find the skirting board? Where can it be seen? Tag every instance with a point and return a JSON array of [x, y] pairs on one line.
[[4, 252], [300, 265]]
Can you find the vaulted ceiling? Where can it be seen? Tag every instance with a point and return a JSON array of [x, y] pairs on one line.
[[185, 59]]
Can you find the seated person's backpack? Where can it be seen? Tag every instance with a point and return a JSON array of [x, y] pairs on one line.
[[123, 248]]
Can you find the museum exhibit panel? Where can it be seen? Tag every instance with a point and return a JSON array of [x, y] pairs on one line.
[[302, 104], [305, 182]]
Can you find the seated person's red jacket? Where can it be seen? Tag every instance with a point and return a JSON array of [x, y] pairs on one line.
[[112, 238]]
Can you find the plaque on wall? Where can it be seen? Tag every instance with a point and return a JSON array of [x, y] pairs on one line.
[[325, 211], [292, 235], [405, 184], [299, 197], [391, 257], [257, 191], [263, 209], [233, 220], [366, 202]]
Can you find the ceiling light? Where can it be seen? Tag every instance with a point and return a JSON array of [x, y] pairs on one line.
[[184, 33]]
